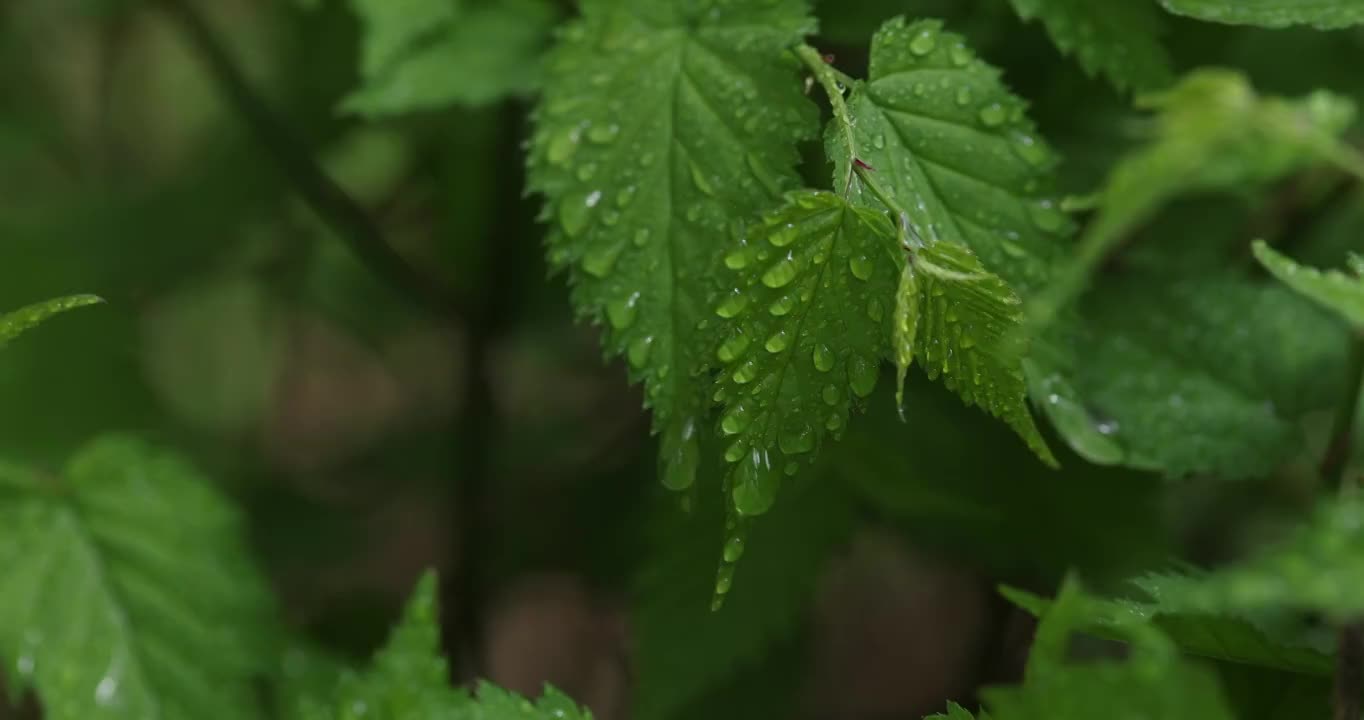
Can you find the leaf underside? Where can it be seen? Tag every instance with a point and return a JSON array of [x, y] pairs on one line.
[[1323, 14]]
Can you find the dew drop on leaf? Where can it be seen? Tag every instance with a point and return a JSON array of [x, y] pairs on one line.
[[638, 352], [796, 437], [733, 304], [732, 349], [924, 42], [782, 305], [780, 274], [621, 313], [734, 548], [778, 342], [861, 267], [755, 485], [862, 375], [993, 115], [681, 454], [823, 358]]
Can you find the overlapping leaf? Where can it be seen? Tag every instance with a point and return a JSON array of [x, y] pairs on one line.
[[1323, 14], [801, 336], [427, 54], [409, 680], [128, 591], [951, 148], [663, 126], [16, 323], [1119, 38], [1332, 289]]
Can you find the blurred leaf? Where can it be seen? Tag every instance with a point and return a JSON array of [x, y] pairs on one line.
[[1119, 38], [129, 592], [1332, 289], [1272, 13], [427, 54]]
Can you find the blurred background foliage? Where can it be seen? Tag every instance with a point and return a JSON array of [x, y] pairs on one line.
[[370, 435]]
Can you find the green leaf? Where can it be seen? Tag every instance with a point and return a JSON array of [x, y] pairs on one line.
[[1119, 38], [409, 680], [968, 319], [1189, 384], [129, 592], [662, 129], [801, 336], [16, 323], [1323, 14], [1213, 133], [1153, 682], [687, 651], [957, 712], [428, 54], [952, 147], [1332, 289]]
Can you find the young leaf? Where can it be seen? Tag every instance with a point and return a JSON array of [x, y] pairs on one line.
[[801, 337], [1120, 38], [128, 591], [1332, 289], [16, 323], [1325, 14], [663, 126], [687, 651], [1212, 133], [952, 147], [408, 680], [967, 336], [427, 54]]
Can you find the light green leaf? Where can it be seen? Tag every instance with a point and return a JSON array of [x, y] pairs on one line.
[[686, 651], [1118, 38], [1332, 289], [801, 336], [428, 54], [129, 592], [16, 323], [952, 147], [409, 680], [1324, 14], [967, 336], [1212, 133], [1153, 682], [665, 126]]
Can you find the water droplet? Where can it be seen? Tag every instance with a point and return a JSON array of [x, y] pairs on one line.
[[737, 260], [862, 375], [735, 452], [681, 454], [780, 274], [745, 373], [1030, 149], [782, 305], [641, 237], [778, 342], [796, 437], [586, 171], [993, 115], [106, 690], [924, 43], [562, 146], [603, 134], [834, 423], [960, 55], [734, 549], [1046, 216], [878, 141], [724, 579], [733, 304], [732, 349], [830, 394], [621, 313], [755, 485], [963, 96], [785, 236], [861, 267], [592, 199], [625, 197], [698, 177], [601, 259], [575, 213], [735, 422], [823, 358]]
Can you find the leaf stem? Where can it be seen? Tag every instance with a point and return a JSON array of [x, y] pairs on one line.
[[1349, 674], [832, 81]]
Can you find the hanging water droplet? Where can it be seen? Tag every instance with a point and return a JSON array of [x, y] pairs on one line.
[[745, 373], [755, 485], [681, 454], [778, 342], [862, 375], [785, 236], [823, 358], [575, 213], [861, 267], [563, 146], [780, 274], [737, 260], [1030, 149], [600, 259], [732, 349], [735, 421], [963, 96], [878, 141], [960, 55], [830, 394], [603, 134], [621, 313], [1046, 216], [698, 178], [733, 304], [724, 579], [736, 451], [734, 548], [834, 423]]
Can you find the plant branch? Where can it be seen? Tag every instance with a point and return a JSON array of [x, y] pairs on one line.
[[1349, 674], [829, 79], [347, 218]]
